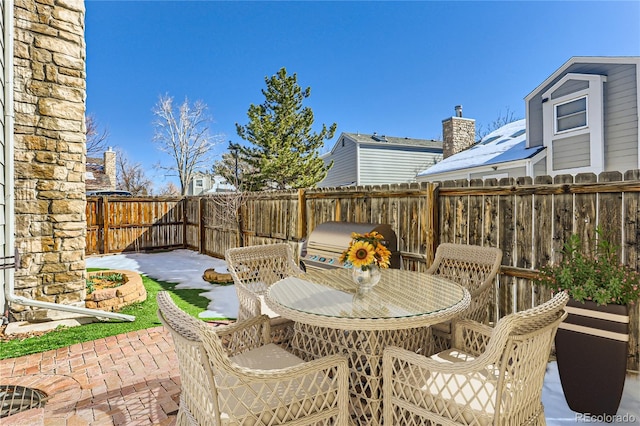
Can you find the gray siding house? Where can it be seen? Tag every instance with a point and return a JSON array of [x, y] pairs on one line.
[[586, 115], [584, 118], [360, 159], [203, 183]]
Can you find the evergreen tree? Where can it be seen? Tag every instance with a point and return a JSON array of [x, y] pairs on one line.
[[232, 169], [284, 151]]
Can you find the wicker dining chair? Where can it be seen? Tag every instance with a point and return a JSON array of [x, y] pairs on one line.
[[253, 270], [491, 376], [232, 375], [473, 267]]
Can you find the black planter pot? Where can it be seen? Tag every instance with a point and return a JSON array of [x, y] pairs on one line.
[[591, 349]]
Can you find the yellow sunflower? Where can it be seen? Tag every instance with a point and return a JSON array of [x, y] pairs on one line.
[[383, 255], [361, 254]]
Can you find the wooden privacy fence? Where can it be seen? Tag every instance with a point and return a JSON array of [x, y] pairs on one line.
[[118, 224], [529, 220]]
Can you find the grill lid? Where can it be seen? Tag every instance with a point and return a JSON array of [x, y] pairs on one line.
[[328, 240]]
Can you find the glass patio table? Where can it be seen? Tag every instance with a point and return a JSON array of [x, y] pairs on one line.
[[332, 317]]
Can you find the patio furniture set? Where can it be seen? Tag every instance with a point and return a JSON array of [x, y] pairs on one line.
[[310, 349]]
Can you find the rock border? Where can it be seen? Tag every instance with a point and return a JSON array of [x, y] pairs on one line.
[[113, 299]]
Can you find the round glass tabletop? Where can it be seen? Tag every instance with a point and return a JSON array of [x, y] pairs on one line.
[[409, 298]]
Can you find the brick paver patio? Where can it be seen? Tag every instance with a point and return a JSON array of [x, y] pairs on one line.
[[129, 379]]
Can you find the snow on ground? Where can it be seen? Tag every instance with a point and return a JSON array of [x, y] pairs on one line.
[[184, 267]]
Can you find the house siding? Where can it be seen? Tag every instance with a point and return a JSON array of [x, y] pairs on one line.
[[620, 111], [571, 152], [535, 130], [569, 87], [540, 168], [621, 119], [513, 172], [380, 164], [344, 170], [206, 185]]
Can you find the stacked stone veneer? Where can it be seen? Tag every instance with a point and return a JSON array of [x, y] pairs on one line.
[[458, 134], [49, 92]]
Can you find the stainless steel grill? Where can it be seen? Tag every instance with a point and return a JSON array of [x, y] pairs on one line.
[[328, 240]]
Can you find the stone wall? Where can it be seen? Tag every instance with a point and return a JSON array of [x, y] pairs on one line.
[[457, 134], [49, 74]]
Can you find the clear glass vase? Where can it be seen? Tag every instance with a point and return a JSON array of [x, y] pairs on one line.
[[366, 277]]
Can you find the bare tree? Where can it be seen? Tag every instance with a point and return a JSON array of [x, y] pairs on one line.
[[131, 176], [228, 211], [169, 190], [502, 120], [184, 135], [228, 206], [96, 138]]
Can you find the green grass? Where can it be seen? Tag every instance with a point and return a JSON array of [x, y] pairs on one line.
[[145, 312]]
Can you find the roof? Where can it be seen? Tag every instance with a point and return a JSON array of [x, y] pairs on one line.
[[95, 177], [584, 60], [396, 142], [508, 143]]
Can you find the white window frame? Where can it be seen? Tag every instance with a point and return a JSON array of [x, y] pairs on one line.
[[595, 121], [198, 183], [573, 129]]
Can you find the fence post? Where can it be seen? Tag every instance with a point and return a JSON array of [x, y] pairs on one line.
[[185, 222], [201, 228], [432, 226], [302, 214], [105, 224]]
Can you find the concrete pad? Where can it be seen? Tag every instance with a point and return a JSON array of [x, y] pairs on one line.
[[20, 327]]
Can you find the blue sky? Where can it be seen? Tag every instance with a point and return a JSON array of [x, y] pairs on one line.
[[396, 68]]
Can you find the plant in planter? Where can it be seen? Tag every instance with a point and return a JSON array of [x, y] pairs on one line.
[[591, 344]]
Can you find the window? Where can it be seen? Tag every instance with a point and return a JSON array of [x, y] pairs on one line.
[[518, 133], [491, 139], [199, 183], [573, 124], [571, 115]]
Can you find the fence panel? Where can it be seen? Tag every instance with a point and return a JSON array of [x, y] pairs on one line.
[[529, 221], [94, 226], [116, 225], [532, 222]]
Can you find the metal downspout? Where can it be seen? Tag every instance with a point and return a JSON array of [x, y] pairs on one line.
[[9, 242]]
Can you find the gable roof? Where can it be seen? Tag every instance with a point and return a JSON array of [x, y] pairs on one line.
[[585, 60], [389, 141], [508, 143]]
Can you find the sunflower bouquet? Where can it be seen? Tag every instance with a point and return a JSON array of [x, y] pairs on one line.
[[366, 250]]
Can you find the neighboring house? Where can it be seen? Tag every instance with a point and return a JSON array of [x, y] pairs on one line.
[[583, 118], [101, 172], [203, 183], [360, 159]]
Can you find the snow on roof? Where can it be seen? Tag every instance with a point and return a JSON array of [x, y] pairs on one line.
[[508, 143]]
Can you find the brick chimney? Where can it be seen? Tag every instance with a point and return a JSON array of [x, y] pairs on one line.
[[458, 133], [110, 167]]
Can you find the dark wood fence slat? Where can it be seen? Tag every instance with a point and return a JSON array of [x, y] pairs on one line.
[[529, 220]]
